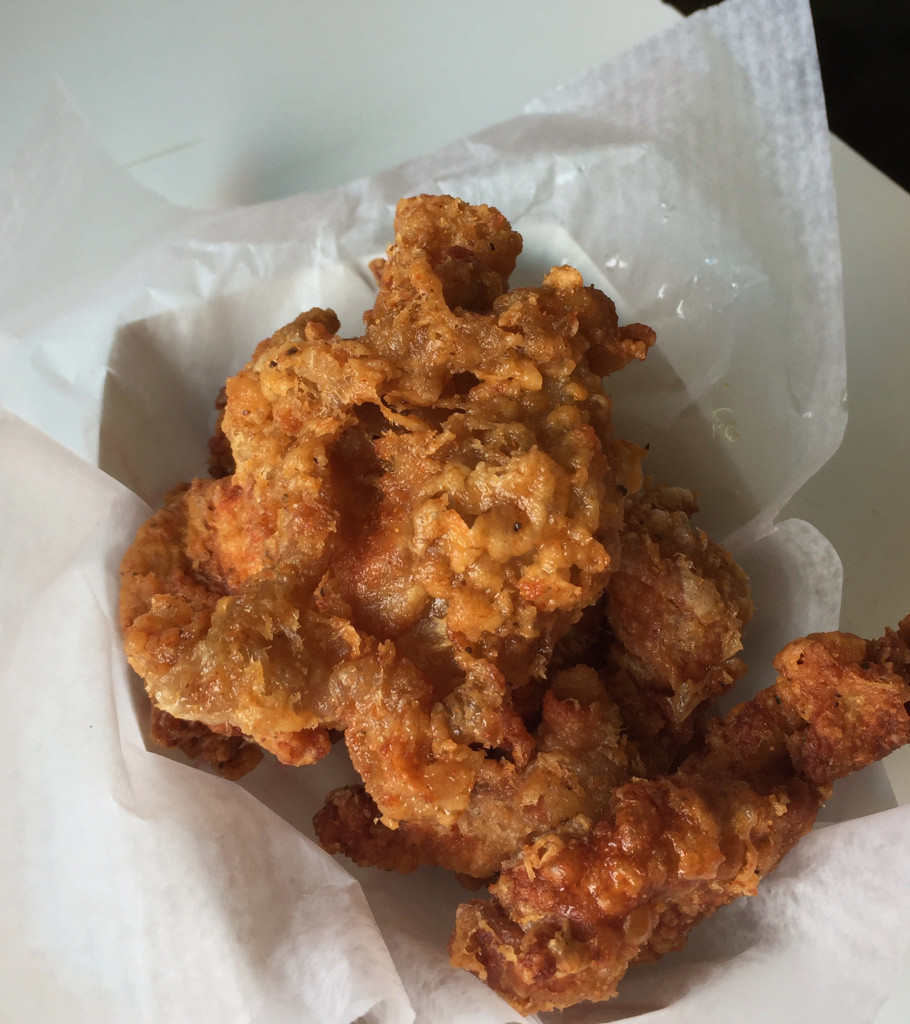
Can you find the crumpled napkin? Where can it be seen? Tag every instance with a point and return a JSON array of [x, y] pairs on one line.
[[690, 179]]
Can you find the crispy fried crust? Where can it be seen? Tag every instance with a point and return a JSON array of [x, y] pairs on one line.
[[579, 756], [434, 503], [428, 539], [675, 609], [670, 624], [226, 750], [499, 487], [581, 903]]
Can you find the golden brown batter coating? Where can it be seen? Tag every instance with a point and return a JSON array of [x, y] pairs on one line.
[[499, 483], [435, 503], [675, 609], [671, 573], [428, 540], [579, 755], [236, 661], [672, 615], [578, 905], [222, 747]]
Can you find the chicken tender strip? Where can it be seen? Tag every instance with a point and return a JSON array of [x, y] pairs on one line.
[[578, 905]]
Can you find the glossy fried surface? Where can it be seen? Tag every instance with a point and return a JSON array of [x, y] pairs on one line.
[[579, 755], [234, 661], [579, 904], [427, 539], [675, 610], [670, 624], [399, 527], [499, 485]]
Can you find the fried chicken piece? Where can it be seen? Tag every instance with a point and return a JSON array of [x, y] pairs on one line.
[[580, 755], [501, 489], [839, 703], [697, 600], [676, 608], [449, 480], [222, 747], [284, 667], [256, 661], [297, 483], [280, 663], [579, 904]]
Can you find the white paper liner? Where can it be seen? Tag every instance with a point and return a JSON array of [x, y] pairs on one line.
[[691, 180]]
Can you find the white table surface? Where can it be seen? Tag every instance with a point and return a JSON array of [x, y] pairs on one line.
[[218, 104]]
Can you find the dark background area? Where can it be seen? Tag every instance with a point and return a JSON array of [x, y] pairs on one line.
[[864, 53]]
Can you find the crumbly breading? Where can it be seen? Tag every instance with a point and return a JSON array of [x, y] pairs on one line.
[[224, 749], [435, 502], [670, 623], [579, 904], [577, 756], [675, 609]]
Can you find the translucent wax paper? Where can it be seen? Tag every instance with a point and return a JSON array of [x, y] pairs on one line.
[[690, 179]]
